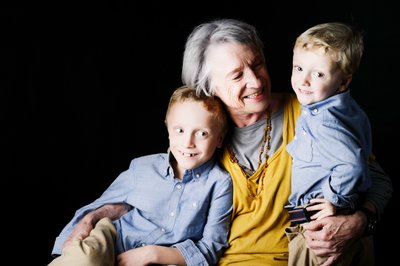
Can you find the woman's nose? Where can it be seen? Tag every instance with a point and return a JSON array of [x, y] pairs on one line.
[[252, 79]]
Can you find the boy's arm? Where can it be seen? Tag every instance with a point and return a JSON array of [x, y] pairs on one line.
[[327, 237], [151, 255]]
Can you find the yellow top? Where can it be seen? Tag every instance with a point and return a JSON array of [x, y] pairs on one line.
[[257, 235]]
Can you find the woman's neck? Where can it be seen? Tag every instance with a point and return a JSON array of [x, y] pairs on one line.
[[244, 120]]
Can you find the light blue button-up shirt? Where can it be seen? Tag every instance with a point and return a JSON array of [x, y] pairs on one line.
[[191, 214], [330, 152]]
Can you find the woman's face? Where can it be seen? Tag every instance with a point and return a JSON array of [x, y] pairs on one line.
[[239, 78]]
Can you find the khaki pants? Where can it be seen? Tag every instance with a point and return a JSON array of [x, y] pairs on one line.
[[95, 250], [359, 252]]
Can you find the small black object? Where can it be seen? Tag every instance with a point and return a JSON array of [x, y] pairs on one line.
[[299, 214]]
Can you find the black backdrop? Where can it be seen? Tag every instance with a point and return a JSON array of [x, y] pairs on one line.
[[84, 90]]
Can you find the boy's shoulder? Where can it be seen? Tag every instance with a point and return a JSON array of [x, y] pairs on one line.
[[219, 172], [156, 158]]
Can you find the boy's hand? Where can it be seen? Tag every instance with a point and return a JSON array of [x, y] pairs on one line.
[[323, 207]]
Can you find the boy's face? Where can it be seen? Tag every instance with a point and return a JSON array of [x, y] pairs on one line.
[[193, 134], [315, 76]]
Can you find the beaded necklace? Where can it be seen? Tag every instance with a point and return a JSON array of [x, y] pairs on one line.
[[265, 147]]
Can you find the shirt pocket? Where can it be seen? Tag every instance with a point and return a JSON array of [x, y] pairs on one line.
[[196, 213], [302, 146]]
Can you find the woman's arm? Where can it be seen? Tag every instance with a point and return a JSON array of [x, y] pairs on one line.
[[83, 228], [381, 190]]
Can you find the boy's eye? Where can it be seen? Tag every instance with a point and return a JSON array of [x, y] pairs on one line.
[[319, 74], [201, 133], [178, 130]]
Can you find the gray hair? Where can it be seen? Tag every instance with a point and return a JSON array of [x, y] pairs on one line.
[[195, 72]]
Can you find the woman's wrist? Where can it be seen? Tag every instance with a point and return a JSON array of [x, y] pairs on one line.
[[370, 219], [89, 219]]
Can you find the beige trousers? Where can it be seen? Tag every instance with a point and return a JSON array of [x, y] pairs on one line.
[[95, 250]]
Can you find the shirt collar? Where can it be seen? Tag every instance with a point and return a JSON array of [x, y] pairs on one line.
[[196, 173], [338, 100]]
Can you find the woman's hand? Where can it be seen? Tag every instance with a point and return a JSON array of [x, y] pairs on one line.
[[329, 236], [81, 230]]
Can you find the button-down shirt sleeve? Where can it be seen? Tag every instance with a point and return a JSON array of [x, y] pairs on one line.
[[340, 151], [116, 193]]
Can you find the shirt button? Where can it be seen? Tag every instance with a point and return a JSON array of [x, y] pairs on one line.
[[304, 112], [315, 111], [172, 214], [163, 230], [179, 186], [194, 204], [197, 175], [143, 244]]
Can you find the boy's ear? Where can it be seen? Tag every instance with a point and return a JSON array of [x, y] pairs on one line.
[[220, 141], [345, 83]]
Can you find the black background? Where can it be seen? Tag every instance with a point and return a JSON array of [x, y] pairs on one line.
[[84, 89]]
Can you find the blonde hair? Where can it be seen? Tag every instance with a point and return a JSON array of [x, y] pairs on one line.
[[338, 40], [212, 104]]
